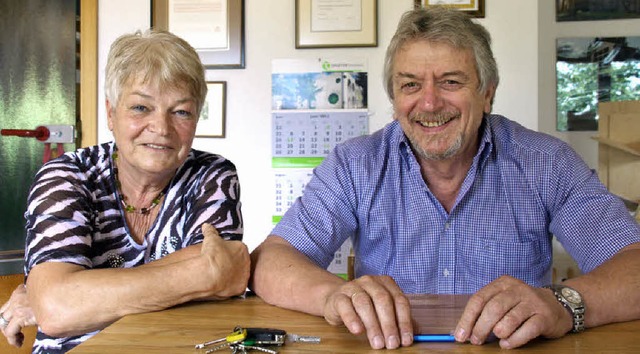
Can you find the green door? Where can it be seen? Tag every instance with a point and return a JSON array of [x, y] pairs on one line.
[[37, 87]]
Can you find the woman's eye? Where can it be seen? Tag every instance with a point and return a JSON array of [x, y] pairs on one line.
[[139, 108], [183, 113]]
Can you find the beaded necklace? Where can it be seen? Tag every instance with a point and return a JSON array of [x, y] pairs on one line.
[[128, 207]]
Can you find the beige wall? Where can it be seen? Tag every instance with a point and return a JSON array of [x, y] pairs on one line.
[[523, 45]]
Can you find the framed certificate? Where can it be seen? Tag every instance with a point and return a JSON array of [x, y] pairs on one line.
[[336, 23], [215, 28]]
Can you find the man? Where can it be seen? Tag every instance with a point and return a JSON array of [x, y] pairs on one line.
[[451, 199]]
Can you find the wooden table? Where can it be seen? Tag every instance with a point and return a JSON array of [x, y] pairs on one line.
[[178, 329]]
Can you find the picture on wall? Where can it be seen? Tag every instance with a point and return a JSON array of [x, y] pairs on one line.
[[211, 123], [319, 90], [591, 10], [592, 70]]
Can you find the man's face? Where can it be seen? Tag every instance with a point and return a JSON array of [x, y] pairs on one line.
[[436, 98]]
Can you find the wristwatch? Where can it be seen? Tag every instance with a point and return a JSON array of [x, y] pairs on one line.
[[572, 301]]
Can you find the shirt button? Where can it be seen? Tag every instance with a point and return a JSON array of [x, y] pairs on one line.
[[446, 225], [446, 272]]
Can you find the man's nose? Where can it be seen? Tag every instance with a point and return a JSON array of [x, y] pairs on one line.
[[431, 99]]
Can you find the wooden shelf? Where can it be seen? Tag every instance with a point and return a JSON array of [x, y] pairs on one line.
[[632, 148], [619, 148]]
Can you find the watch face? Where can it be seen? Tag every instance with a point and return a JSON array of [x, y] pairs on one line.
[[571, 295]]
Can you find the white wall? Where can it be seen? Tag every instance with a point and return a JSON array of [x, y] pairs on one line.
[[269, 27]]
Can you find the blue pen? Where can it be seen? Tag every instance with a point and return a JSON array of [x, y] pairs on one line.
[[434, 338]]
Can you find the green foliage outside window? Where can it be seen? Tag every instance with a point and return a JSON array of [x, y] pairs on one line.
[[577, 87]]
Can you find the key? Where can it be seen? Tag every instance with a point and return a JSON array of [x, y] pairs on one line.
[[237, 336], [265, 336], [244, 348], [278, 337], [303, 339]]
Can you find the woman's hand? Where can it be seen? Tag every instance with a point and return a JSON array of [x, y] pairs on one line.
[[230, 263], [17, 312]]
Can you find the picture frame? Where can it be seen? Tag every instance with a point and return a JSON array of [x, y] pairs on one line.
[[596, 11], [212, 121], [475, 8], [325, 24], [215, 28]]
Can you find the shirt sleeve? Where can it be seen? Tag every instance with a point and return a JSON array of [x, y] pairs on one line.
[[58, 217], [591, 223], [216, 200], [319, 221]]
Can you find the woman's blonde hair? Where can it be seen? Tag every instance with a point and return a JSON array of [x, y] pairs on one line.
[[156, 57]]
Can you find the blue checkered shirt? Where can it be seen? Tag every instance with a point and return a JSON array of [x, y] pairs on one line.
[[522, 188]]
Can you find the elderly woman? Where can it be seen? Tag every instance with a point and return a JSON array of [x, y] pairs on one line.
[[137, 224]]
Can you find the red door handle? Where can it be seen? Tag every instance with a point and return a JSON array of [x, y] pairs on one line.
[[41, 133]]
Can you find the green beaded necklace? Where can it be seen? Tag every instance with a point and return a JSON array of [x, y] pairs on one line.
[[127, 207]]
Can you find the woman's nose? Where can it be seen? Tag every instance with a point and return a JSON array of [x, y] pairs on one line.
[[160, 123]]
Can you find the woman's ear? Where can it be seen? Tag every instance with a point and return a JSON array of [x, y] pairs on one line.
[[110, 113]]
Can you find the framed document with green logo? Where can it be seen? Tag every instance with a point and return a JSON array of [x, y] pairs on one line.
[[474, 8], [336, 23], [212, 118]]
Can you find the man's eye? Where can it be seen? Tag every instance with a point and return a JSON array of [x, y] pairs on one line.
[[451, 84], [409, 85]]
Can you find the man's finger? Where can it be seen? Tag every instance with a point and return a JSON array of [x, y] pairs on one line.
[[365, 308]]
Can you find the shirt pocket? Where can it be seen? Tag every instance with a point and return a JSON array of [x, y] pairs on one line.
[[487, 260]]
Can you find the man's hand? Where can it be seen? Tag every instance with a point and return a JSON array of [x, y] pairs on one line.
[[230, 264], [19, 314], [375, 304], [514, 312]]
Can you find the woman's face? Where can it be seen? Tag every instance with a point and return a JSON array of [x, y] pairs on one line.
[[153, 129]]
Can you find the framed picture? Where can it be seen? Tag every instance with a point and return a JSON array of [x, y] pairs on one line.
[[332, 24], [474, 8], [215, 28], [213, 116], [596, 10]]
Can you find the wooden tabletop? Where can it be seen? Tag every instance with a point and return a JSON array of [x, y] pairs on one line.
[[178, 329]]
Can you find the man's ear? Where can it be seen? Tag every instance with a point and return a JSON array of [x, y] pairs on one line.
[[489, 95]]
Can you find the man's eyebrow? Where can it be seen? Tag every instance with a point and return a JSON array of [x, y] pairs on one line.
[[456, 73], [459, 73], [405, 75]]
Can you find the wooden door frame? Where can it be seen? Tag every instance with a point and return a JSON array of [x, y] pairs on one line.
[[87, 125]]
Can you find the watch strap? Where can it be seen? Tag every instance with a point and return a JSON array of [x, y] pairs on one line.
[[575, 310]]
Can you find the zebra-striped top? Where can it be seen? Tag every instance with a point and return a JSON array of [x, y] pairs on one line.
[[74, 215]]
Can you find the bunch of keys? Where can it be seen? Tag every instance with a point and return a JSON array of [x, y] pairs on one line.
[[243, 339]]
